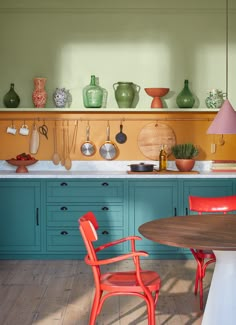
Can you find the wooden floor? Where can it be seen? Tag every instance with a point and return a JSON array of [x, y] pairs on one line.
[[60, 292]]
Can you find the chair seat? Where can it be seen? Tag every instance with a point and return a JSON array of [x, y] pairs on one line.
[[122, 281], [205, 253]]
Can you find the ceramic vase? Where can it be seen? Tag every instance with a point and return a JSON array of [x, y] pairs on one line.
[[185, 98], [11, 99], [214, 99], [125, 93], [39, 95], [60, 97]]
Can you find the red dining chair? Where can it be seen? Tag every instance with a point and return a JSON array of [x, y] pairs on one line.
[[142, 283], [205, 257]]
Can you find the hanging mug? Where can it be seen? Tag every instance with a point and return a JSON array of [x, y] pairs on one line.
[[11, 129], [24, 130]]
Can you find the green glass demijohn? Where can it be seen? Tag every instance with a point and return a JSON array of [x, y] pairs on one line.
[[93, 94], [11, 99], [185, 98]]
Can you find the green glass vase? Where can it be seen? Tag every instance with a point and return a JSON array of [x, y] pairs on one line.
[[11, 99], [185, 98], [92, 94]]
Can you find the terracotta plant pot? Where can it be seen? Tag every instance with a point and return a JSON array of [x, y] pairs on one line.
[[185, 165]]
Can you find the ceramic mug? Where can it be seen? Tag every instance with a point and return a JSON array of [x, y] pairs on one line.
[[24, 130], [11, 130]]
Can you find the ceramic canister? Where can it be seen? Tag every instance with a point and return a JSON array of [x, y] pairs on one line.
[[60, 97], [124, 94]]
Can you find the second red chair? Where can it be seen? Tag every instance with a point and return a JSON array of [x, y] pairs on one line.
[[204, 258]]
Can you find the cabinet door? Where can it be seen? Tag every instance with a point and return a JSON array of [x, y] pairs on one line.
[[20, 216], [149, 200], [206, 188]]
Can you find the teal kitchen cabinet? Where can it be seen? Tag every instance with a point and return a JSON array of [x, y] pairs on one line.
[[148, 200], [20, 217], [68, 200], [205, 188]]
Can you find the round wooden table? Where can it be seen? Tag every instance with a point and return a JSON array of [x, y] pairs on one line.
[[211, 231]]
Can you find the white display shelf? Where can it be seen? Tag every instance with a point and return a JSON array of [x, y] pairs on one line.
[[110, 110]]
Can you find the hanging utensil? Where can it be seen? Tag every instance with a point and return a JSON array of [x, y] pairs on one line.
[[55, 157], [121, 137], [74, 138], [63, 142], [68, 163], [88, 148], [43, 129], [34, 140], [109, 149]]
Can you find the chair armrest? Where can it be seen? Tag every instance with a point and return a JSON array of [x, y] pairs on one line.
[[116, 259], [116, 242]]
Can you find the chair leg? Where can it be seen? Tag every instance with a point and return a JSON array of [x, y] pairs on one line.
[[196, 281], [201, 292], [151, 312], [94, 310]]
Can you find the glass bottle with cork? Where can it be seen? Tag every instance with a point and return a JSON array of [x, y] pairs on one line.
[[162, 159]]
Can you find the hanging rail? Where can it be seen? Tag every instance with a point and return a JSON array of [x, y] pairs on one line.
[[124, 119]]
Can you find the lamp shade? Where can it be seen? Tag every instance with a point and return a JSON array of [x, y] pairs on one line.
[[225, 120]]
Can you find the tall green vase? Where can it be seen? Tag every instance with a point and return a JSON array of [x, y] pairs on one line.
[[185, 98], [11, 99]]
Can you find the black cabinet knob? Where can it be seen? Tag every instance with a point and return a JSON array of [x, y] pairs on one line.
[[64, 233], [64, 184], [105, 232], [64, 208], [105, 184]]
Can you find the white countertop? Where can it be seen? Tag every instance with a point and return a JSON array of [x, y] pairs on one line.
[[104, 169]]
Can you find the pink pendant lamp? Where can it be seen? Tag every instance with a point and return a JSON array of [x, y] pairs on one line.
[[225, 120]]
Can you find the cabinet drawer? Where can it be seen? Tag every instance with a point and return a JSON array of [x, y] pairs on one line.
[[68, 215], [65, 240], [85, 191]]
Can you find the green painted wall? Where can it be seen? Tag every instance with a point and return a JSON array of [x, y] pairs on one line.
[[152, 43]]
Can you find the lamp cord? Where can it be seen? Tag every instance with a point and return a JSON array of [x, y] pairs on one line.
[[227, 46]]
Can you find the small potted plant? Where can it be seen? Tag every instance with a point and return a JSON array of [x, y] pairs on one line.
[[184, 156]]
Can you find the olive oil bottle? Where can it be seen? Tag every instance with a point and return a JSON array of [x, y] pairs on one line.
[[162, 159]]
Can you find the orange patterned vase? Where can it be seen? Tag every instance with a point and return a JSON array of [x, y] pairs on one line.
[[39, 95]]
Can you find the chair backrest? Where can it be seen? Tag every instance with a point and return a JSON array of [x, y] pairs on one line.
[[88, 225], [221, 204]]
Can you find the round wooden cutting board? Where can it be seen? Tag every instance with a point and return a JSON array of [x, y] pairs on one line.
[[152, 137]]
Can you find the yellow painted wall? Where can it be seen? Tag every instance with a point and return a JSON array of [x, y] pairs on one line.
[[185, 131]]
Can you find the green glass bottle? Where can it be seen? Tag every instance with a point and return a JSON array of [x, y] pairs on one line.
[[11, 99], [93, 94], [185, 98]]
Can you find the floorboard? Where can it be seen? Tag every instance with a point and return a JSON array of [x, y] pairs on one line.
[[61, 293]]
